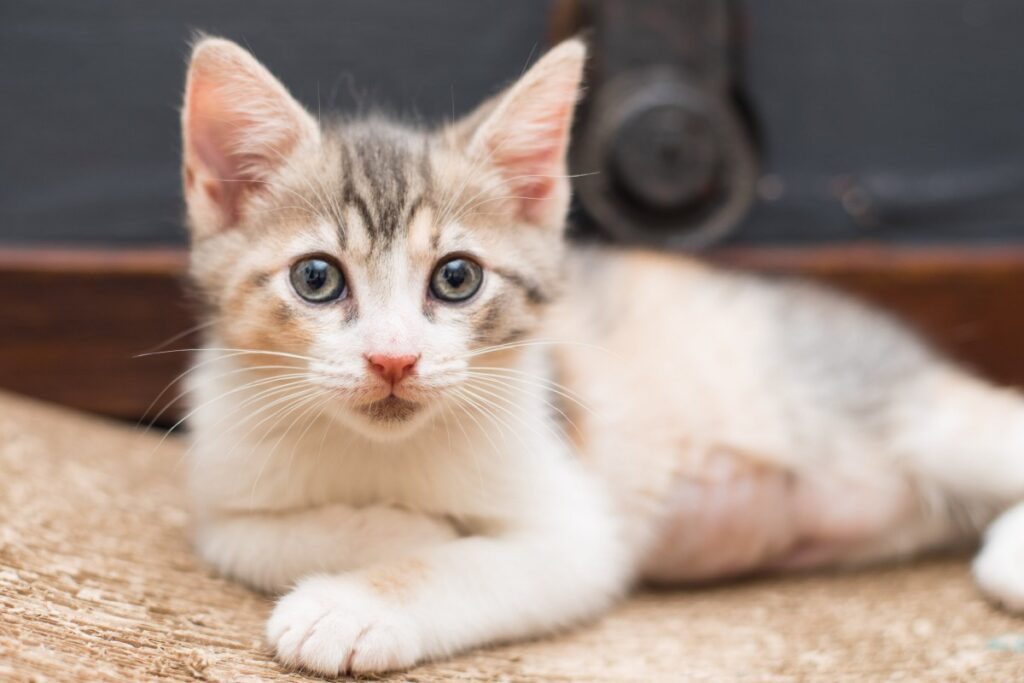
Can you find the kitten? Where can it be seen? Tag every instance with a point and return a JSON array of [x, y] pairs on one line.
[[434, 427]]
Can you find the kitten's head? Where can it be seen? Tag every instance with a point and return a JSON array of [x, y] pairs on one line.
[[376, 262]]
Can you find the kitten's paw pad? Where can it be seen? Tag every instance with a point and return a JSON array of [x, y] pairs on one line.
[[330, 629]]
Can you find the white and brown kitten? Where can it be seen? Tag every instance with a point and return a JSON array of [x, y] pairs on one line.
[[432, 426]]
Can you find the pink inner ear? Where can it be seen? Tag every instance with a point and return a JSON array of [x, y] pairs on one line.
[[527, 182], [208, 138], [221, 180], [208, 161], [239, 129], [533, 166]]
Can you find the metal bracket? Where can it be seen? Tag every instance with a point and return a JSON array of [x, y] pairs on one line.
[[674, 162]]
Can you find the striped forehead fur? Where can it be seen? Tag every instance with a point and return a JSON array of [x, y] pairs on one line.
[[386, 174]]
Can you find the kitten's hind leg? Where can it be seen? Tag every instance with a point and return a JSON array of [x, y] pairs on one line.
[[964, 434], [954, 459], [967, 437], [745, 516]]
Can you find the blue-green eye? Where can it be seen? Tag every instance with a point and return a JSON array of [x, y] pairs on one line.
[[317, 280], [456, 279]]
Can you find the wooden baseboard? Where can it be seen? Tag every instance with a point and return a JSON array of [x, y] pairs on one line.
[[73, 322]]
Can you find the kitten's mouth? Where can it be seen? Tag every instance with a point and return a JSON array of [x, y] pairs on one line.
[[390, 409]]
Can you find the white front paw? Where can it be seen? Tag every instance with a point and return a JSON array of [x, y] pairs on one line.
[[332, 626]]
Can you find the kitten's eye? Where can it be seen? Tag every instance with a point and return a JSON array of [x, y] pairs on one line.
[[317, 280], [456, 279]]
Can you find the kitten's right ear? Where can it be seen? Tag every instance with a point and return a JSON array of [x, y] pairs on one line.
[[239, 126]]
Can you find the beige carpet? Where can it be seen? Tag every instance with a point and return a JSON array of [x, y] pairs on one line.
[[97, 583]]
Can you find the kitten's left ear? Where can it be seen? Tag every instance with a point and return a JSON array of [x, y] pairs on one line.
[[524, 133]]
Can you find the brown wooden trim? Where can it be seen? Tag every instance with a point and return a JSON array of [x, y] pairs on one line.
[[870, 257], [72, 321], [167, 261]]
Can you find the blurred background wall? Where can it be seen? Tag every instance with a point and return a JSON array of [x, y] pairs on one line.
[[896, 120], [90, 91], [877, 145]]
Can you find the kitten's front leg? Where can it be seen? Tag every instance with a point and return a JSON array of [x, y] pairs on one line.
[[469, 592], [270, 551]]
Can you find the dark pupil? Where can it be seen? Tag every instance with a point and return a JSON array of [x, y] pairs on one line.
[[455, 274], [315, 274]]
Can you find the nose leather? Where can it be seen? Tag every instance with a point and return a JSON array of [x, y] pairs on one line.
[[392, 368]]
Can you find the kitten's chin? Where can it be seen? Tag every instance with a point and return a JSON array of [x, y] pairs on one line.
[[386, 419], [390, 410]]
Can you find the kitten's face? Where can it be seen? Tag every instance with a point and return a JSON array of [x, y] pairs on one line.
[[385, 264]]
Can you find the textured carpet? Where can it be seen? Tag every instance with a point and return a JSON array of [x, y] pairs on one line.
[[97, 583]]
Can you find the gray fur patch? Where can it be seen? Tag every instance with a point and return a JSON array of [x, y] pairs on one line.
[[853, 361]]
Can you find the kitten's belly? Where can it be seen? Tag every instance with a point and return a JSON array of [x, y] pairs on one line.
[[687, 417], [721, 526], [741, 517]]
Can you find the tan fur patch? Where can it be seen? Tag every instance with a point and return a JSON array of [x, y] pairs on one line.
[[421, 231], [396, 581]]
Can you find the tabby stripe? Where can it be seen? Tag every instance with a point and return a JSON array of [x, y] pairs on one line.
[[352, 198], [534, 294]]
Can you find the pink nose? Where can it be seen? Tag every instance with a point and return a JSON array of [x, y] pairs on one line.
[[392, 368]]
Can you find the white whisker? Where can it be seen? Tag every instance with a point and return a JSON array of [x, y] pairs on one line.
[[517, 416], [500, 383], [182, 394], [537, 342], [255, 352], [537, 381]]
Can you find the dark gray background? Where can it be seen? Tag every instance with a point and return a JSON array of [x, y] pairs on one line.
[[90, 89], [899, 120]]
